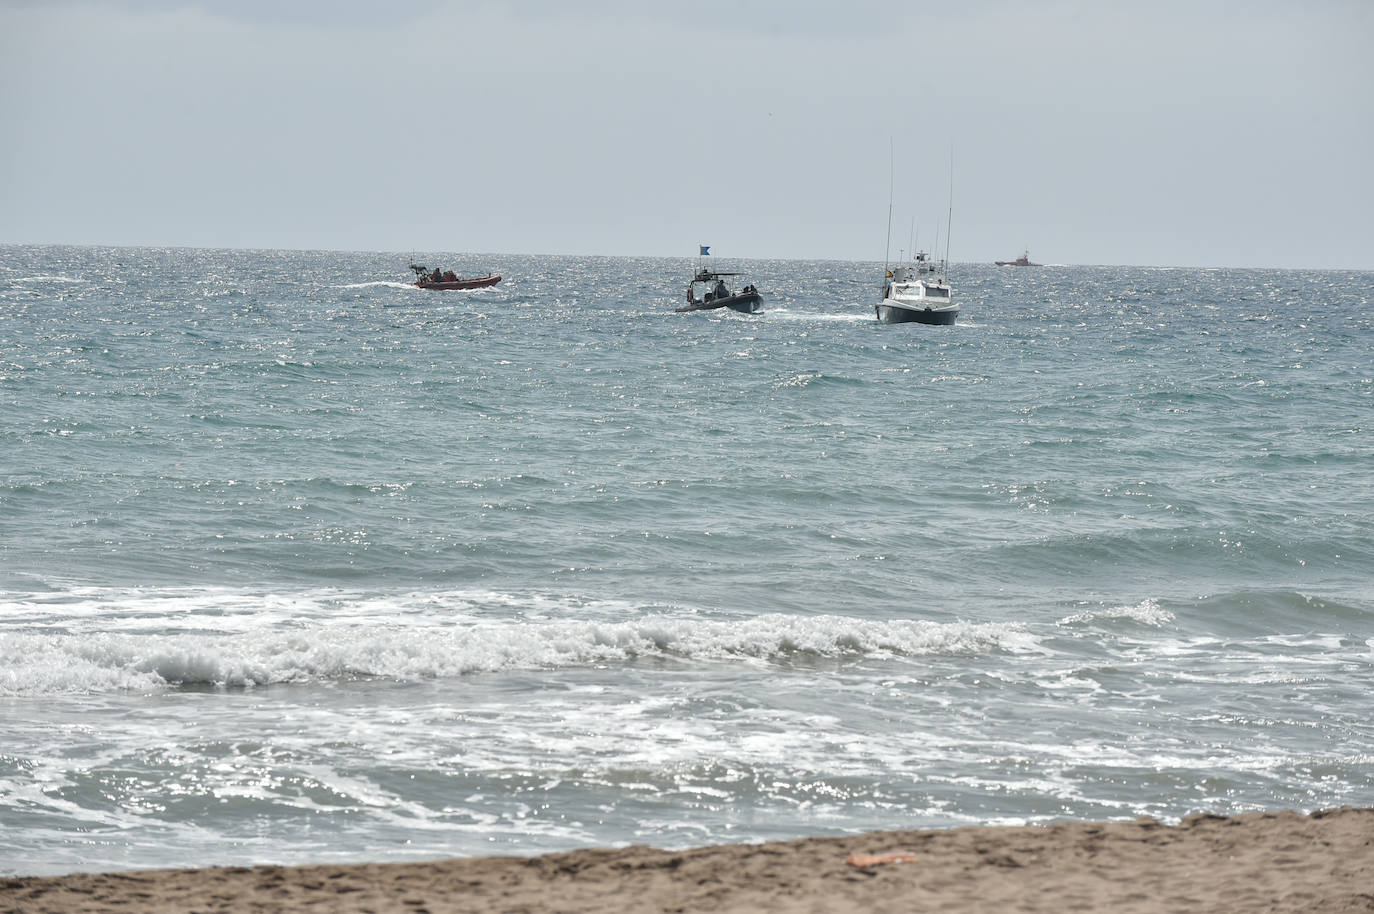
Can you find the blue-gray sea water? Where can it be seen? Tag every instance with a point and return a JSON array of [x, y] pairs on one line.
[[299, 563]]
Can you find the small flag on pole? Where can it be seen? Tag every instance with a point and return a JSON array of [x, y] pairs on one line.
[[705, 250]]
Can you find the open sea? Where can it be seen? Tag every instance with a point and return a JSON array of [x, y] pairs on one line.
[[299, 563]]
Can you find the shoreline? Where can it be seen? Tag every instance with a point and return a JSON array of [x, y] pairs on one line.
[[1269, 861]]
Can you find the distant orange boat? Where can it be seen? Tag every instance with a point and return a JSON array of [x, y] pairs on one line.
[[1022, 261]]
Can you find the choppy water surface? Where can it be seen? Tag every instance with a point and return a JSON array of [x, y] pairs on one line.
[[299, 563]]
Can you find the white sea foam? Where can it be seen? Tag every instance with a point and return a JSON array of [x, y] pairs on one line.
[[37, 662], [1146, 612], [227, 610]]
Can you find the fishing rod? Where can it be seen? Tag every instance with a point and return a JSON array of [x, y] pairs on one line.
[[949, 230], [891, 184]]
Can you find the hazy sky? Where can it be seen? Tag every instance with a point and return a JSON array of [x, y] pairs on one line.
[[1193, 133]]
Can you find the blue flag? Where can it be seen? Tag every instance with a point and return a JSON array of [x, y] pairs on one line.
[[705, 250]]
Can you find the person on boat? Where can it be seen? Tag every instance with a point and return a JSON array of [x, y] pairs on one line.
[[691, 295], [721, 291], [436, 276], [450, 276]]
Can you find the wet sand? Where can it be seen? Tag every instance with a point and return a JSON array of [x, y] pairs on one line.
[[1272, 862]]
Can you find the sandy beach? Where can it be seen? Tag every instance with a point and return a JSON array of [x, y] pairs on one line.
[[1282, 861]]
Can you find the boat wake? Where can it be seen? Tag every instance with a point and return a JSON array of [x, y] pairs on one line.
[[44, 278], [859, 317]]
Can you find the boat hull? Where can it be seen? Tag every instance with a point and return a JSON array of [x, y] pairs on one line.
[[892, 312], [478, 282], [744, 302]]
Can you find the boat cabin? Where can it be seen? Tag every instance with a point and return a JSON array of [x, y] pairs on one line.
[[919, 279]]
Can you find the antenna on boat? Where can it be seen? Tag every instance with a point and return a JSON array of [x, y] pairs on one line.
[[950, 228], [891, 179]]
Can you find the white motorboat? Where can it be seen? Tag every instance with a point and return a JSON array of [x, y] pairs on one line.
[[919, 293]]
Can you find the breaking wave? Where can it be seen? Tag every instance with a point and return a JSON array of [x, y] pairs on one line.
[[38, 662]]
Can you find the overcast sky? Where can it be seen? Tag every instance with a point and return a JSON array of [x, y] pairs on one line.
[[1192, 133]]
